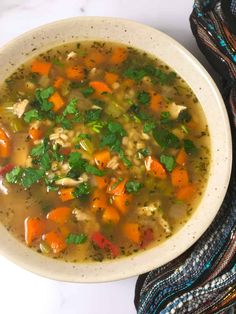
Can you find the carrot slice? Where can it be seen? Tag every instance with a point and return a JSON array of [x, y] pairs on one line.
[[118, 56], [181, 157], [34, 229], [102, 158], [101, 182], [111, 78], [58, 82], [56, 241], [41, 67], [35, 133], [132, 232], [100, 87], [66, 194], [155, 102], [110, 214], [5, 147], [57, 101], [75, 73], [99, 200], [155, 167], [94, 59], [122, 202], [185, 193], [59, 215], [116, 186], [179, 177]]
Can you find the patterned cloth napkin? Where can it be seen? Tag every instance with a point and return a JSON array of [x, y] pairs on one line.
[[203, 279]]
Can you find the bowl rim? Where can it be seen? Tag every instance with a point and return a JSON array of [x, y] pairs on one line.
[[111, 275]]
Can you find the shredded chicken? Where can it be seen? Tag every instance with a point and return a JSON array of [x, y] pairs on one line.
[[71, 55], [20, 107], [80, 215], [153, 209], [72, 182]]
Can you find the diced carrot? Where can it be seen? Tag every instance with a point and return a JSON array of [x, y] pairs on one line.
[[181, 157], [58, 82], [94, 59], [57, 101], [35, 133], [132, 232], [66, 194], [59, 215], [122, 202], [99, 200], [155, 167], [41, 67], [101, 182], [155, 102], [34, 229], [5, 147], [179, 177], [116, 187], [75, 73], [102, 158], [56, 241], [110, 214], [128, 82], [100, 87], [185, 193], [118, 56], [111, 78]]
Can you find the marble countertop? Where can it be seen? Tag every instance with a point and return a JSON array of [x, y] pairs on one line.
[[26, 293]]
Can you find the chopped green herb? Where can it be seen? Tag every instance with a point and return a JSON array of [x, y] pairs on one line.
[[115, 127], [133, 186], [135, 74], [45, 162], [71, 108], [32, 115], [58, 62], [165, 118], [189, 147], [92, 115], [148, 126], [88, 91], [94, 170], [168, 161], [97, 126], [14, 175], [42, 96], [40, 149], [82, 190], [73, 238], [115, 184], [184, 116], [166, 139], [143, 152], [184, 128], [143, 98]]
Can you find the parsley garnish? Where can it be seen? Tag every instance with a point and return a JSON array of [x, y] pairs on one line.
[[82, 190], [148, 126], [143, 98], [73, 238], [184, 116], [92, 115], [25, 177], [71, 108], [144, 152], [88, 91], [94, 170], [42, 96], [189, 147], [166, 139], [133, 186], [32, 115], [165, 118], [168, 161]]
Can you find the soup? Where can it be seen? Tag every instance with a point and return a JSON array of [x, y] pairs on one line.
[[104, 152]]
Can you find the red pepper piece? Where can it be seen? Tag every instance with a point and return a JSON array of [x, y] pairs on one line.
[[5, 169], [103, 243]]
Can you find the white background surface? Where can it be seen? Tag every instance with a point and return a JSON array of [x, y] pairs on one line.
[[25, 293]]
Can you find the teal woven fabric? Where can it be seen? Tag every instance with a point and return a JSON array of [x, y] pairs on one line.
[[203, 280]]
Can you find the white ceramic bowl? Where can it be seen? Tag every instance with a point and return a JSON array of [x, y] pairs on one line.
[[165, 48]]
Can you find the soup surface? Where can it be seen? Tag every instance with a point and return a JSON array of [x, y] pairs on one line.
[[104, 151]]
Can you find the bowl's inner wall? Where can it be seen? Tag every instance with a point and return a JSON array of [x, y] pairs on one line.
[[174, 55]]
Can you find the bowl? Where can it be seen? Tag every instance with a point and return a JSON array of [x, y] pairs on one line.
[[178, 58]]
